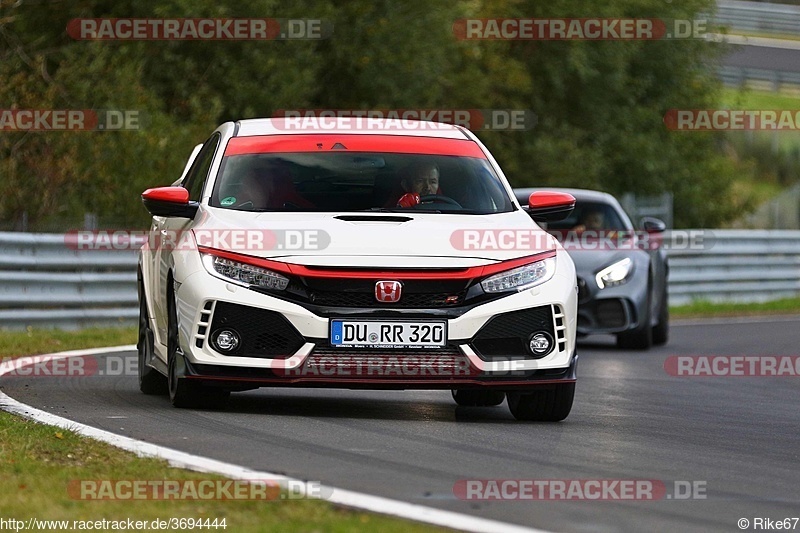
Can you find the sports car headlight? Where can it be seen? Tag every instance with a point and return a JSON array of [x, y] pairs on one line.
[[519, 279], [243, 273], [614, 274]]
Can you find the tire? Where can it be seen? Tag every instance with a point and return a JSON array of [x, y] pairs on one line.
[[151, 381], [640, 338], [183, 392], [478, 398], [661, 329], [550, 404]]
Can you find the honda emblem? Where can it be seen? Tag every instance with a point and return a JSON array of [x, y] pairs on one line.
[[388, 291]]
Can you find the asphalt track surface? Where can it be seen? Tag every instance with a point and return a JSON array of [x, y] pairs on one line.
[[631, 420], [761, 57]]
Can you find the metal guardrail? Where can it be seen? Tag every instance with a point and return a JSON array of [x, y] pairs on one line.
[[758, 17], [736, 266], [45, 283], [772, 80]]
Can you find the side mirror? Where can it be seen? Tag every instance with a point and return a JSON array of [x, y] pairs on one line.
[[653, 225], [169, 202], [550, 206]]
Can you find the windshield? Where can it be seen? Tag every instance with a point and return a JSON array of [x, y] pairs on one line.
[[339, 181]]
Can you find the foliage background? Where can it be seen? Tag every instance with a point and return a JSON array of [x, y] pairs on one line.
[[599, 104]]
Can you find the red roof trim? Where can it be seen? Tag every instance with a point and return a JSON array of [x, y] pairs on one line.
[[394, 144]]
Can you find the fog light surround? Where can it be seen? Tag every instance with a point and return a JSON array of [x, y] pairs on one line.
[[226, 340], [541, 343]]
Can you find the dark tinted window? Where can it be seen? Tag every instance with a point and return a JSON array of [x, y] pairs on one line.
[[336, 181], [590, 215], [198, 173]]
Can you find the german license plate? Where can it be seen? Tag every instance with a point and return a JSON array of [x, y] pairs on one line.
[[388, 334]]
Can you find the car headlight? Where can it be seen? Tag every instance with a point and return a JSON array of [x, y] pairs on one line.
[[243, 273], [614, 274], [521, 278]]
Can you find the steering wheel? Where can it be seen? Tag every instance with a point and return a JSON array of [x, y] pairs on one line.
[[438, 198]]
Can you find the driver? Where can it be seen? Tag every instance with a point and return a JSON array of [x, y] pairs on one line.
[[419, 179], [592, 220]]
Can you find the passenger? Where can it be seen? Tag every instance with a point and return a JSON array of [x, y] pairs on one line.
[[270, 187], [256, 189]]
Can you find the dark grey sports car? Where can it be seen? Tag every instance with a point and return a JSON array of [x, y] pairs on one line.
[[622, 270]]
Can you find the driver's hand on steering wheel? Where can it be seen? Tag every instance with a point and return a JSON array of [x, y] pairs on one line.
[[408, 200]]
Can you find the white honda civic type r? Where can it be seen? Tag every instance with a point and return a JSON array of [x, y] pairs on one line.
[[382, 255]]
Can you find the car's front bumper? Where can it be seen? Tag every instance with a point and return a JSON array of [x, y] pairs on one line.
[[378, 376], [610, 310], [305, 357]]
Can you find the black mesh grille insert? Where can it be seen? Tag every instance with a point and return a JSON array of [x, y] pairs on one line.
[[507, 334], [610, 313], [583, 291], [263, 333], [367, 299]]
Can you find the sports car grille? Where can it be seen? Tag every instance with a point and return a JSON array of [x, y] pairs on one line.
[[583, 291], [610, 313], [263, 333], [367, 299], [507, 334], [360, 293]]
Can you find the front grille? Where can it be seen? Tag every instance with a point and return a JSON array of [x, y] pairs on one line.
[[360, 293], [507, 334], [370, 363], [583, 292], [610, 313], [367, 299], [263, 333]]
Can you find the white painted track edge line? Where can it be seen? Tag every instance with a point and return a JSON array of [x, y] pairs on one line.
[[722, 320], [197, 463]]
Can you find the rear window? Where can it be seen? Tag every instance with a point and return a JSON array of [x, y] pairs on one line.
[[336, 181]]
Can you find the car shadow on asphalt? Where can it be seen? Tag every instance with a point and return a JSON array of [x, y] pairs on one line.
[[267, 402]]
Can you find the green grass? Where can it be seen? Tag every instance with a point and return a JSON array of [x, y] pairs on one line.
[[751, 99], [37, 463], [703, 308], [769, 160], [766, 35], [41, 341]]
